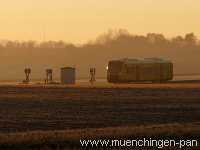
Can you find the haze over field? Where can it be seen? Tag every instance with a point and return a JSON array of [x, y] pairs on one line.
[[15, 56], [78, 22]]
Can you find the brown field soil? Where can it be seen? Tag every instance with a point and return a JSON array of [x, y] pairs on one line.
[[79, 108], [29, 108], [70, 139]]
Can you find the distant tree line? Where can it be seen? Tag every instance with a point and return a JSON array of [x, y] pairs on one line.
[[184, 51], [111, 37]]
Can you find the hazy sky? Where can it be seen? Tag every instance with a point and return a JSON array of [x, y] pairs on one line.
[[82, 20]]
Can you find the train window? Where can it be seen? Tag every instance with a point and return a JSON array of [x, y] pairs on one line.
[[115, 67]]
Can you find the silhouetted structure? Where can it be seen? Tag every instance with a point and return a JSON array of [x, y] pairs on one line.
[[49, 76], [27, 72], [92, 75]]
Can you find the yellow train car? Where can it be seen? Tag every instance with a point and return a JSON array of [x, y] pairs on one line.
[[134, 70]]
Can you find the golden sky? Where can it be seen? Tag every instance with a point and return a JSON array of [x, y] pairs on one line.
[[81, 20]]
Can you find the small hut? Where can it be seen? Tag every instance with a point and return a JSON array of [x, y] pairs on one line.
[[68, 75]]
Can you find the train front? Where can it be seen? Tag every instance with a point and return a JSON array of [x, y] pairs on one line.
[[113, 70]]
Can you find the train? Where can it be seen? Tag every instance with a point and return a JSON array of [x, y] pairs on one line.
[[139, 70]]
